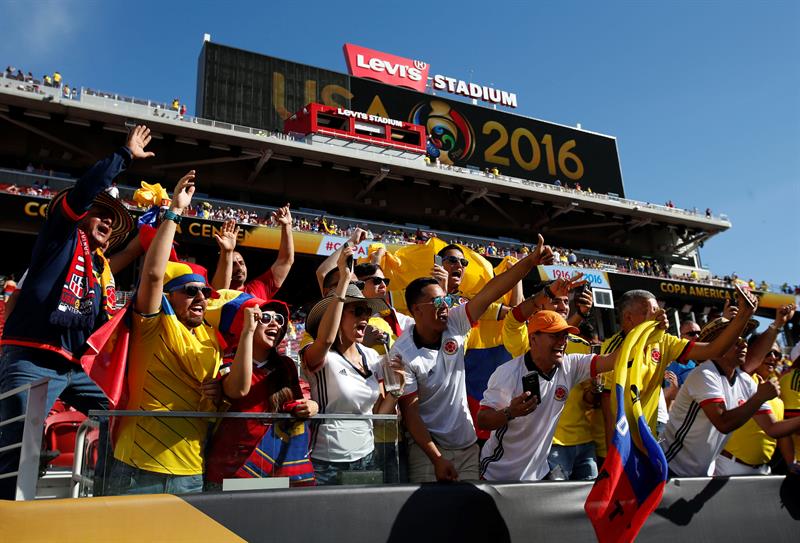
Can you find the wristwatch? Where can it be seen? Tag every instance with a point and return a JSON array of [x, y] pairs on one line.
[[507, 413], [170, 215]]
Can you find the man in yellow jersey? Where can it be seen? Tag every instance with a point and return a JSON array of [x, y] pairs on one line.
[[172, 363], [790, 394], [572, 454], [749, 449], [637, 306]]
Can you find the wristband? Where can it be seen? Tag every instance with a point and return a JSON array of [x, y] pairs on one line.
[[170, 215], [507, 413]]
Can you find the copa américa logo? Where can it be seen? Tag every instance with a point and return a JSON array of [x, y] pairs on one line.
[[386, 68]]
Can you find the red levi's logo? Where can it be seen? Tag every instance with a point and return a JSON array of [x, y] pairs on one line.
[[386, 68]]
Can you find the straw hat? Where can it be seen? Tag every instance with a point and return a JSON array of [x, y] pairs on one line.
[[713, 328], [352, 295], [121, 223]]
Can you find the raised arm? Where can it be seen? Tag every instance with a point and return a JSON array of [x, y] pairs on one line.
[[329, 263], [282, 265], [504, 282], [237, 383], [122, 259], [226, 241], [151, 284], [777, 429], [314, 355], [764, 342], [729, 335]]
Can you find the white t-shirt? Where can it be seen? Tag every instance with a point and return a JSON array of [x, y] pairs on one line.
[[691, 441], [518, 451], [338, 388], [663, 412], [437, 377]]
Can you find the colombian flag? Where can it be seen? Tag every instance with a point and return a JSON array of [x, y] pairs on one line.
[[631, 483]]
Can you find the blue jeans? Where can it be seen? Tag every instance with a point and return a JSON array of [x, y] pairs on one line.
[[327, 473], [22, 365], [574, 463], [125, 479]]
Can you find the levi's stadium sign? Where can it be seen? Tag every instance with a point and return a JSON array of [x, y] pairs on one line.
[[413, 74], [386, 68]]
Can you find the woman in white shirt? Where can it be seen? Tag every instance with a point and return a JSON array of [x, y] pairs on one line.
[[345, 378]]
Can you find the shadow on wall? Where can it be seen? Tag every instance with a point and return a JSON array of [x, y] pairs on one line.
[[452, 512]]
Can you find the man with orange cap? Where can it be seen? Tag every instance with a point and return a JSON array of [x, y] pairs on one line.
[[522, 422]]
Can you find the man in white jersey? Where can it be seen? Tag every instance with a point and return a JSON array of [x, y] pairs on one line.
[[523, 424], [716, 399], [434, 406]]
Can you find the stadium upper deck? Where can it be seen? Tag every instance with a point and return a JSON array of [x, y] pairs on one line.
[[251, 164]]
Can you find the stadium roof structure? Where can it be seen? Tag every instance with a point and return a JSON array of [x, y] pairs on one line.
[[258, 166]]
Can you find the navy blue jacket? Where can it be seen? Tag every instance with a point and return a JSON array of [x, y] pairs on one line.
[[29, 324]]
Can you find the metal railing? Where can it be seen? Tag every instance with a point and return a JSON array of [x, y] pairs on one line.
[[30, 446]]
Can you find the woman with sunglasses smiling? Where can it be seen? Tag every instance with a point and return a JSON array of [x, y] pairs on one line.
[[265, 382], [383, 329], [345, 378]]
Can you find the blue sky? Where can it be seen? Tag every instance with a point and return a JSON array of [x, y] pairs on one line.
[[702, 96]]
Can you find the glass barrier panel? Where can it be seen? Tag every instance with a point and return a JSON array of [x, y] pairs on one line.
[[135, 452]]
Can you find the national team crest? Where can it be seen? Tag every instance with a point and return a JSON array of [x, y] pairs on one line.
[[655, 354], [450, 346], [76, 285], [561, 393]]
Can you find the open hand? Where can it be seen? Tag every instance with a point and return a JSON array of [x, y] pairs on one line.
[[184, 191], [138, 139], [282, 216], [228, 233]]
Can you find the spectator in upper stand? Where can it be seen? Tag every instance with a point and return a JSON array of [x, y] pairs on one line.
[[173, 364], [572, 258], [56, 79], [708, 212], [231, 264], [716, 399], [751, 284], [47, 81], [345, 377], [383, 329], [176, 104], [69, 292], [435, 407], [182, 111], [635, 307], [65, 91]]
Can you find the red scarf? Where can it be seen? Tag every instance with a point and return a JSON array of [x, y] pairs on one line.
[[76, 305]]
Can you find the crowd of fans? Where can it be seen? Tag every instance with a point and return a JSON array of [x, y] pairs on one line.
[[542, 411]]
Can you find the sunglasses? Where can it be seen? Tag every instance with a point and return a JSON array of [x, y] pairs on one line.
[[378, 280], [267, 318], [192, 290], [455, 260], [775, 354], [358, 284], [360, 311], [439, 302]]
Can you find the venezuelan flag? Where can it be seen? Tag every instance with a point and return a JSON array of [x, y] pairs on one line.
[[631, 482]]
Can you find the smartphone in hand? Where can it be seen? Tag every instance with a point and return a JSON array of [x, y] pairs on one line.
[[747, 299], [530, 383], [437, 260]]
